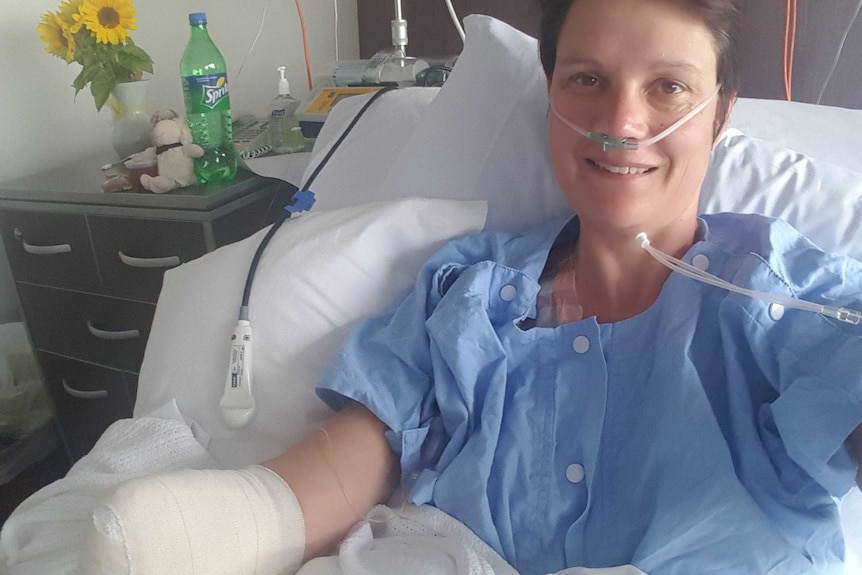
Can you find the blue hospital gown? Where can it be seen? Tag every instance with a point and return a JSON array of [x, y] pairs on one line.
[[704, 435]]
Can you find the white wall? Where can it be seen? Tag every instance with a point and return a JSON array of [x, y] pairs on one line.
[[43, 126]]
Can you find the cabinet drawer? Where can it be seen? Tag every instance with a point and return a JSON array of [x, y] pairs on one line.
[[87, 399], [133, 254], [105, 330], [49, 248]]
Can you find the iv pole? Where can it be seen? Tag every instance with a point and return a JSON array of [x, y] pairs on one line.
[[399, 31]]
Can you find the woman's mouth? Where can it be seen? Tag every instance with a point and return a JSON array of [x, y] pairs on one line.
[[625, 170]]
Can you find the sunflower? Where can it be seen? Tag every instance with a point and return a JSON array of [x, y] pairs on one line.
[[67, 12], [56, 36], [108, 20], [95, 34]]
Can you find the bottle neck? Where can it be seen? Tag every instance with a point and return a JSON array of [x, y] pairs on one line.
[[199, 31]]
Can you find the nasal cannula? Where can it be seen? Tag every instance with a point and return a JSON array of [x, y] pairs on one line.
[[632, 143], [237, 402]]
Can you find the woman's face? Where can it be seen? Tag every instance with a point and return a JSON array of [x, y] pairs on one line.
[[629, 69]]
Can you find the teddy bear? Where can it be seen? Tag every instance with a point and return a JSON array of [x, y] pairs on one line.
[[174, 152]]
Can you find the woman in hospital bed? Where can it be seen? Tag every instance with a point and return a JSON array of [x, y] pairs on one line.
[[561, 392]]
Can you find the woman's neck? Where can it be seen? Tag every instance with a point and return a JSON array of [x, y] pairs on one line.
[[616, 278]]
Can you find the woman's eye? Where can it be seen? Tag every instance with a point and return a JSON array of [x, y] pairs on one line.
[[671, 87], [585, 80]]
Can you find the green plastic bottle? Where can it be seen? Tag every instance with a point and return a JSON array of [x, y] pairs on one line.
[[207, 99]]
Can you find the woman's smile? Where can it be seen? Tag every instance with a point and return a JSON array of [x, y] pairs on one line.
[[621, 168]]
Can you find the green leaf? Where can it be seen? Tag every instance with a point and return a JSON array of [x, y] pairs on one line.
[[138, 53], [80, 81], [135, 59], [85, 77], [103, 66], [101, 87]]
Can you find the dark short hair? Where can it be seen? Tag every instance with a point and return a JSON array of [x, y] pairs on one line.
[[719, 16]]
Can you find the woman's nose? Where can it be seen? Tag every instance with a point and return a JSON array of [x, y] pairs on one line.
[[623, 113]]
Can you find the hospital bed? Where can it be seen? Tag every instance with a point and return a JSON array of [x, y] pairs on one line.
[[423, 165]]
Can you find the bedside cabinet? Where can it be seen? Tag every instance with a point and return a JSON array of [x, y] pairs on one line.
[[88, 268]]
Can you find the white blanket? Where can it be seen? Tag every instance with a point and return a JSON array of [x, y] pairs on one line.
[[411, 540], [44, 536]]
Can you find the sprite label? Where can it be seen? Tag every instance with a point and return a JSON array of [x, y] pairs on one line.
[[206, 93]]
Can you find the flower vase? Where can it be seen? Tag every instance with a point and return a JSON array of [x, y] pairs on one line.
[[131, 130]]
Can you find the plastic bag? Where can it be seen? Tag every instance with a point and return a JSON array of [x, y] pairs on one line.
[[24, 403]]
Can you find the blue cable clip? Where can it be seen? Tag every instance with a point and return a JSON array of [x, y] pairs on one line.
[[302, 202]]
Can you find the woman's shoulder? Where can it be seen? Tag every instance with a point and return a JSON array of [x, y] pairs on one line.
[[755, 233], [776, 244], [517, 249]]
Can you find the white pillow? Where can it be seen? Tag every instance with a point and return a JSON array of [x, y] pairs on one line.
[[361, 161], [827, 133], [484, 136], [320, 275], [821, 200]]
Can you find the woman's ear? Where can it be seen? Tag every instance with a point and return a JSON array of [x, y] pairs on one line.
[[722, 120]]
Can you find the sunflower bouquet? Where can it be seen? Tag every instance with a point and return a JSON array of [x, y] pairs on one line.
[[95, 34]]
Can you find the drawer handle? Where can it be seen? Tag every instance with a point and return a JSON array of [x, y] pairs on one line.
[[40, 250], [77, 393], [46, 250], [166, 262], [113, 335]]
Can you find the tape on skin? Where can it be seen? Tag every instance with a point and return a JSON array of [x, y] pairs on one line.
[[327, 456]]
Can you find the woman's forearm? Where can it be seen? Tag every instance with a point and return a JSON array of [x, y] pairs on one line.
[[338, 473]]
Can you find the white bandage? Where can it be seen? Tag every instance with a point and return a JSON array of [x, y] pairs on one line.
[[194, 522]]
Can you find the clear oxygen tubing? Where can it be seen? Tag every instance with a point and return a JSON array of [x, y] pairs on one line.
[[631, 143], [841, 314]]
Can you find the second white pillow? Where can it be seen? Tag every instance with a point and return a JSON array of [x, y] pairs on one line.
[[322, 273]]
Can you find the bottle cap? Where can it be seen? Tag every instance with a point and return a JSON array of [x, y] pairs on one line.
[[283, 84], [196, 18]]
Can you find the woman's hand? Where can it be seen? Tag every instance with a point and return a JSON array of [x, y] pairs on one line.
[[854, 445]]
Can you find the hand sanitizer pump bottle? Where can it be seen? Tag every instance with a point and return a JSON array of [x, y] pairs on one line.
[[282, 120]]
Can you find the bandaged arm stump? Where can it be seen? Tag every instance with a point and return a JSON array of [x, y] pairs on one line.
[[262, 520]]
